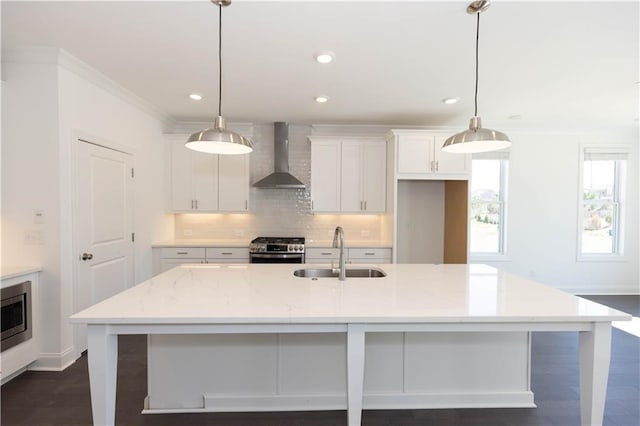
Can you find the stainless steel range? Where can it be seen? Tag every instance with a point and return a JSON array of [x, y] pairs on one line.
[[277, 250]]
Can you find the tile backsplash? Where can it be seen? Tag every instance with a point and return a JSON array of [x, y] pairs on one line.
[[278, 212]]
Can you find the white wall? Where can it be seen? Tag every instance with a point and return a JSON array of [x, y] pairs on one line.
[[30, 181], [542, 222], [46, 101]]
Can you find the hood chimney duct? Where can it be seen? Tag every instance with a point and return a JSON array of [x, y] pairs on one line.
[[280, 178]]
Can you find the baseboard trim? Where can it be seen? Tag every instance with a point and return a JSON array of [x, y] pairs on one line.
[[54, 361], [314, 402]]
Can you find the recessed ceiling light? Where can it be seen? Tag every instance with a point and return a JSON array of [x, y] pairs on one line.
[[195, 96], [515, 117], [450, 101], [324, 57], [321, 99]]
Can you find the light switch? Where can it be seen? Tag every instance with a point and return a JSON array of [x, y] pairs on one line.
[[38, 217]]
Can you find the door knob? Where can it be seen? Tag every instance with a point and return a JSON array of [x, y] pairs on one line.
[[87, 256]]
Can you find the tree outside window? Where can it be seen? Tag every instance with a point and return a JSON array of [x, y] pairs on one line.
[[602, 181], [488, 206]]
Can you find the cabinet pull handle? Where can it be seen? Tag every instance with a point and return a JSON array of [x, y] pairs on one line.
[[226, 252], [369, 254], [196, 204], [246, 204], [431, 167], [191, 204], [436, 166], [326, 254], [311, 204], [365, 205], [183, 252]]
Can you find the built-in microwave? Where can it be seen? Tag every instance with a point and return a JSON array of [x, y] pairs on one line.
[[15, 318]]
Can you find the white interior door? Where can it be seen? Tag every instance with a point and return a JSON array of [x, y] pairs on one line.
[[105, 239]]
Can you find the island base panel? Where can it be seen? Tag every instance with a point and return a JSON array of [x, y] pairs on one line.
[[288, 372]]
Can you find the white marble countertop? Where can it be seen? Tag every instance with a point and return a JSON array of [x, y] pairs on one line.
[[259, 293], [245, 243], [309, 243], [203, 243], [15, 271]]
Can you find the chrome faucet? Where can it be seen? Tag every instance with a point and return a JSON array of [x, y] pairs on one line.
[[338, 238]]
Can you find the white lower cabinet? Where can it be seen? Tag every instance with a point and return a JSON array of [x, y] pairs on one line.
[[227, 255], [170, 257], [369, 255], [354, 255], [321, 255]]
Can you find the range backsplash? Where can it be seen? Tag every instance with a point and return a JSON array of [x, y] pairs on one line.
[[278, 212]]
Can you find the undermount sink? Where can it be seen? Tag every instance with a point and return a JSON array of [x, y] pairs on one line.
[[350, 273]]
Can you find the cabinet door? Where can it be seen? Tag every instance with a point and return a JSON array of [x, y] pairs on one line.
[[415, 153], [205, 181], [325, 176], [233, 179], [181, 185], [351, 185], [374, 176], [446, 162]]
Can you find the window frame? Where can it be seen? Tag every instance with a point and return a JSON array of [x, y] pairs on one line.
[[502, 253], [618, 203]]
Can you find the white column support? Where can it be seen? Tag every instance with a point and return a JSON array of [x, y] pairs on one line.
[[103, 370], [595, 355], [355, 373]]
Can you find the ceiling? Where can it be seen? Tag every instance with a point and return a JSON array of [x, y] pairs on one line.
[[542, 64]]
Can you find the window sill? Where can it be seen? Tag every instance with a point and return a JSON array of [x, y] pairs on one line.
[[480, 258], [602, 258]]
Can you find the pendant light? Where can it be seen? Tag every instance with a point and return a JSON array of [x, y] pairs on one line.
[[476, 138], [219, 140]]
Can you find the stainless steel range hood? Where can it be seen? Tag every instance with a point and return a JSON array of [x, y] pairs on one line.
[[280, 178]]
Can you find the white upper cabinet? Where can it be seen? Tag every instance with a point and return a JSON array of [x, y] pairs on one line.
[[233, 181], [325, 175], [207, 182], [419, 156], [348, 174]]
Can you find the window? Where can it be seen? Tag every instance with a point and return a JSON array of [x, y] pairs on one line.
[[488, 204], [601, 208]]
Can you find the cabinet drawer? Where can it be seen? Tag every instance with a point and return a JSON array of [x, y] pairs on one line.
[[321, 253], [228, 253], [374, 254], [183, 253]]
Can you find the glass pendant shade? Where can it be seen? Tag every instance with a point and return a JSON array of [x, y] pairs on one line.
[[219, 140], [476, 139]]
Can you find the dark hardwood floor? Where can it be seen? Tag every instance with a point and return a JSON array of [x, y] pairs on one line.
[[62, 399]]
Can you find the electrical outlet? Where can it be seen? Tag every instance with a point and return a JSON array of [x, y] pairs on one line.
[[34, 237], [187, 232]]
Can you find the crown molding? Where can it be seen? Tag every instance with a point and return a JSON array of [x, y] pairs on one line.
[[62, 58]]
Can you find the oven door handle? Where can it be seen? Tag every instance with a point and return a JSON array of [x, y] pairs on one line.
[[277, 256]]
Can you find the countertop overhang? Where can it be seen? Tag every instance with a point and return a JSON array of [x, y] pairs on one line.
[[271, 294]]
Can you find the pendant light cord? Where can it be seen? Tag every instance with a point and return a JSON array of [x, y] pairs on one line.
[[219, 59], [475, 113]]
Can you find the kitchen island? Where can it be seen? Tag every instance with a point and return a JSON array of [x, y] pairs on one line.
[[200, 301]]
